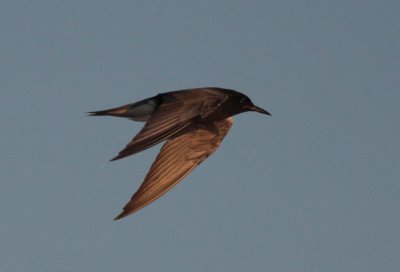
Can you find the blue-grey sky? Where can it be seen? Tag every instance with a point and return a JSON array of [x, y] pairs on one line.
[[315, 187]]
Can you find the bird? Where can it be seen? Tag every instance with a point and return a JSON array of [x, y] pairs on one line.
[[192, 122]]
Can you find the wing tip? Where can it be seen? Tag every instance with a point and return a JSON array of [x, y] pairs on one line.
[[128, 151], [116, 158], [120, 216], [124, 213], [122, 154]]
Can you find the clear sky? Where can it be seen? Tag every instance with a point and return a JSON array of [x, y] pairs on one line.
[[315, 187]]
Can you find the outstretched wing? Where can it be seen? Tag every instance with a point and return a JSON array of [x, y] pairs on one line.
[[177, 111], [177, 158]]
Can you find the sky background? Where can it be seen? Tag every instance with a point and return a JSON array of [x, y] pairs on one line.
[[315, 187]]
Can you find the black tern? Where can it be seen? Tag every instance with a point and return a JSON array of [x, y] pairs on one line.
[[193, 122]]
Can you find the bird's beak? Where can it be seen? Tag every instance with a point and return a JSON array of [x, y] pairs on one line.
[[258, 109]]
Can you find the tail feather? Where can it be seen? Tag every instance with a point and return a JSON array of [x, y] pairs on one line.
[[139, 111], [119, 112]]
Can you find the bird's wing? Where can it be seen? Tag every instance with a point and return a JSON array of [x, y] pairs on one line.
[[177, 158], [177, 111]]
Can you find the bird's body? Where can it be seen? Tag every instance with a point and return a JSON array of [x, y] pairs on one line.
[[193, 122]]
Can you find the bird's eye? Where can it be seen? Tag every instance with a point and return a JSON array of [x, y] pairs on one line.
[[242, 100]]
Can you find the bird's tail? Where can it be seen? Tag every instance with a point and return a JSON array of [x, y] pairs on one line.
[[139, 111], [118, 112]]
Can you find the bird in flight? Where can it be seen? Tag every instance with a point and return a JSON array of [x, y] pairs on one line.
[[193, 123]]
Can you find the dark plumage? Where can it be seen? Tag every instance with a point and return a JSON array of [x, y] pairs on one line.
[[193, 122]]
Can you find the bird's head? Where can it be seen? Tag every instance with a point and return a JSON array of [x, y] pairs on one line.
[[245, 104]]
